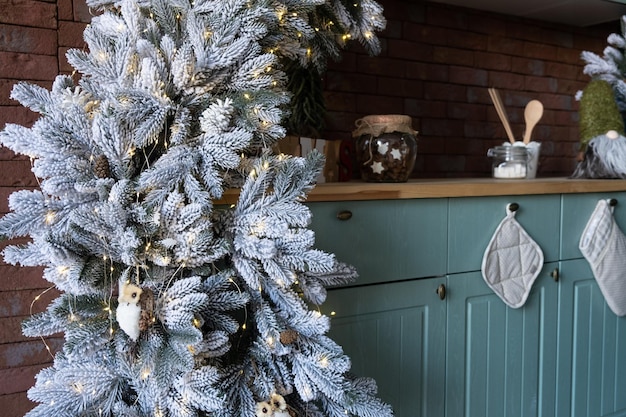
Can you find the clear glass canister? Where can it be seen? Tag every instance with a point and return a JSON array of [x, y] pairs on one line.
[[386, 147], [509, 161]]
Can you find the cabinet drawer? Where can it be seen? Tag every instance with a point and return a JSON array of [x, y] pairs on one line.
[[577, 209], [473, 221], [385, 240]]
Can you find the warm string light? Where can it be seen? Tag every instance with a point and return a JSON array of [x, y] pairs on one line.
[[245, 310], [163, 291], [32, 304]]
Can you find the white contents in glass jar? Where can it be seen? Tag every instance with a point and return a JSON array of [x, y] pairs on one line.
[[509, 170]]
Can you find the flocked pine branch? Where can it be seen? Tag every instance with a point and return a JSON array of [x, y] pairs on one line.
[[611, 66], [174, 303]]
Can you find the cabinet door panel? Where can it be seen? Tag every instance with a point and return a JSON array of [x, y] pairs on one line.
[[385, 240], [592, 353], [500, 361], [473, 221], [577, 208], [395, 334]]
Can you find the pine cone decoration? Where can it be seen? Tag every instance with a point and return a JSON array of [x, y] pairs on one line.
[[102, 168], [146, 301], [287, 337]]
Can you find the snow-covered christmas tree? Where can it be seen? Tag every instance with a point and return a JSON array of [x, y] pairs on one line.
[[172, 303]]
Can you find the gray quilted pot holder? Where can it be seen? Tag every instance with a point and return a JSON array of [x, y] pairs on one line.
[[603, 244], [512, 262]]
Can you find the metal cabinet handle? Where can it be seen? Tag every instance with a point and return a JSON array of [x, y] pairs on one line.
[[441, 291], [344, 215], [555, 274]]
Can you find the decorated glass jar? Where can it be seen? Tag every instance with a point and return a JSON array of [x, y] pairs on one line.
[[386, 147]]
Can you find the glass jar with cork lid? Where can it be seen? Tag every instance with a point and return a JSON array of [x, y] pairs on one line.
[[386, 147]]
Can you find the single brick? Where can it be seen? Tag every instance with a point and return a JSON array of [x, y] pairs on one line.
[[71, 34], [28, 66], [17, 173], [14, 380], [15, 405], [31, 13], [28, 40]]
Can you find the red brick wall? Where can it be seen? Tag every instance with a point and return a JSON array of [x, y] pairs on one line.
[[435, 66], [34, 36]]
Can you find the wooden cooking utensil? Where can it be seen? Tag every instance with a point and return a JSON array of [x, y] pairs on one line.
[[497, 102], [532, 114]]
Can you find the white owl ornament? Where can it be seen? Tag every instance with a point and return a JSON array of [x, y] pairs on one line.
[[128, 309]]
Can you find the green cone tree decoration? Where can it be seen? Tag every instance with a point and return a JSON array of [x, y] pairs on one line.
[[598, 112]]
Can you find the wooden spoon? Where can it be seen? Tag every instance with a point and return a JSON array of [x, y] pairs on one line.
[[532, 115]]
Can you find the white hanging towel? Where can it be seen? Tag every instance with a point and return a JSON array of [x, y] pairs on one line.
[[604, 246], [512, 261]]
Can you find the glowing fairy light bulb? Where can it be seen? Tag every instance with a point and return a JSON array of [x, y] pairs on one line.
[[49, 219], [101, 56], [324, 362]]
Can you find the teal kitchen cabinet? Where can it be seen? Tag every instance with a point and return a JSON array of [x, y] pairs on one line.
[[473, 221], [384, 240], [500, 360], [592, 348], [395, 334], [440, 343]]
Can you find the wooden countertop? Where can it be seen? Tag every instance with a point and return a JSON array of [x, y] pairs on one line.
[[458, 187]]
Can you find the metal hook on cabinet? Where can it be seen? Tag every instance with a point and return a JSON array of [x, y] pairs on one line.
[[512, 206], [613, 202]]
